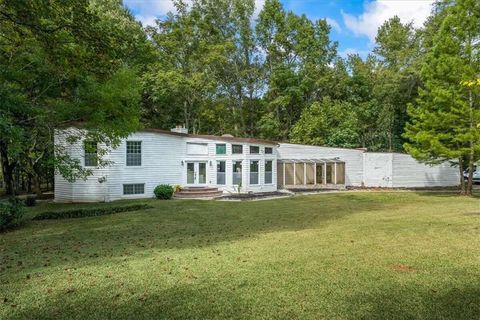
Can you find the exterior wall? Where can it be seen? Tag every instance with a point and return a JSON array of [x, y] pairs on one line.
[[164, 159], [377, 170], [353, 158], [211, 158], [409, 173]]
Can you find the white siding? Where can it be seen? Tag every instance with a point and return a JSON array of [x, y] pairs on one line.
[[353, 158], [409, 173], [164, 160]]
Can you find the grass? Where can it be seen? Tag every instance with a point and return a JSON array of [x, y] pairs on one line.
[[399, 255]]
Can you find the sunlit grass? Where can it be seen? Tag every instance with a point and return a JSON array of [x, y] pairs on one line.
[[335, 256]]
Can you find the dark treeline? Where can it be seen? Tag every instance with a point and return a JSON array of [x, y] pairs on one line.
[[216, 68]]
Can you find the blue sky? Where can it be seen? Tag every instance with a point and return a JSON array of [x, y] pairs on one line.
[[354, 23]]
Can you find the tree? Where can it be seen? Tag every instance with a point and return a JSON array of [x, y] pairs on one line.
[[61, 62], [444, 120], [329, 122], [298, 54]]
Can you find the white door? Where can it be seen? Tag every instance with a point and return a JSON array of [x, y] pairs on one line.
[[196, 173]]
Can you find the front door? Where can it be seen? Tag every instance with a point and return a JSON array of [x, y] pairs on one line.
[[196, 173]]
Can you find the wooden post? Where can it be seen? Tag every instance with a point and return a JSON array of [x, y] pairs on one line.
[[335, 173], [324, 178], [294, 173], [315, 173]]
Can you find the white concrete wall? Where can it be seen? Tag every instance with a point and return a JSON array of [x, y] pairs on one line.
[[409, 173], [377, 170], [353, 158]]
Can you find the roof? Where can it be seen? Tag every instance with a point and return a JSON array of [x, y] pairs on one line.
[[311, 160], [211, 137]]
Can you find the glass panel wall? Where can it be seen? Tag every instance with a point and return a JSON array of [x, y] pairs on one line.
[[202, 172], [237, 172], [319, 173], [330, 173], [268, 172], [299, 173], [190, 172], [340, 173], [310, 170], [253, 171], [288, 173], [280, 174], [221, 172]]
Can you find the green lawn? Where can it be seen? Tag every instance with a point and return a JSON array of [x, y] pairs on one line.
[[354, 255]]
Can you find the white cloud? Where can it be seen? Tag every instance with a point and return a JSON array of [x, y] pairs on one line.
[[377, 12], [334, 24], [349, 51], [146, 11]]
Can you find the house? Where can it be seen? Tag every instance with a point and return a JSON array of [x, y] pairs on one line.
[[205, 165]]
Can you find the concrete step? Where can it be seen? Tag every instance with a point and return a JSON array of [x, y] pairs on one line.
[[198, 192], [189, 195]]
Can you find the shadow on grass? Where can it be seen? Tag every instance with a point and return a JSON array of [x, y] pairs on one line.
[[211, 301], [416, 302], [170, 225]]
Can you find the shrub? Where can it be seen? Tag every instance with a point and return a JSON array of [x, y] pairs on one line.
[[30, 201], [10, 213], [90, 212], [163, 191]]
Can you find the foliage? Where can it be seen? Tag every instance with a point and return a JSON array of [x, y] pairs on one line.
[[331, 123], [444, 119], [11, 212], [163, 191], [61, 62], [30, 201], [90, 212]]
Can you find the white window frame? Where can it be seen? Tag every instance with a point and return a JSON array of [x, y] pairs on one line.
[[250, 172], [134, 185], [265, 172], [141, 154]]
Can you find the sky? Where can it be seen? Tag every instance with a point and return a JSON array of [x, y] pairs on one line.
[[354, 23]]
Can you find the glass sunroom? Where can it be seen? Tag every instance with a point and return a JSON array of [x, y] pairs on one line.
[[310, 173]]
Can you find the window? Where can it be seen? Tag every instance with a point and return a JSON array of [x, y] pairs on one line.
[[134, 153], [254, 172], [268, 172], [237, 149], [254, 149], [319, 170], [220, 172], [221, 149], [90, 148], [237, 173], [329, 177], [268, 150], [134, 188]]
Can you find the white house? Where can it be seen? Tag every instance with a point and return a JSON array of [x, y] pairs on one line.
[[211, 165]]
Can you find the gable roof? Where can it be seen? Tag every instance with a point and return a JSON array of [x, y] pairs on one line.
[[211, 137]]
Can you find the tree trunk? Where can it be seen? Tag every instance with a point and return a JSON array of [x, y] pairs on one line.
[[37, 184], [469, 190], [7, 170], [462, 179]]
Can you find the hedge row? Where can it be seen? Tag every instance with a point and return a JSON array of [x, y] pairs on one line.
[[89, 212]]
